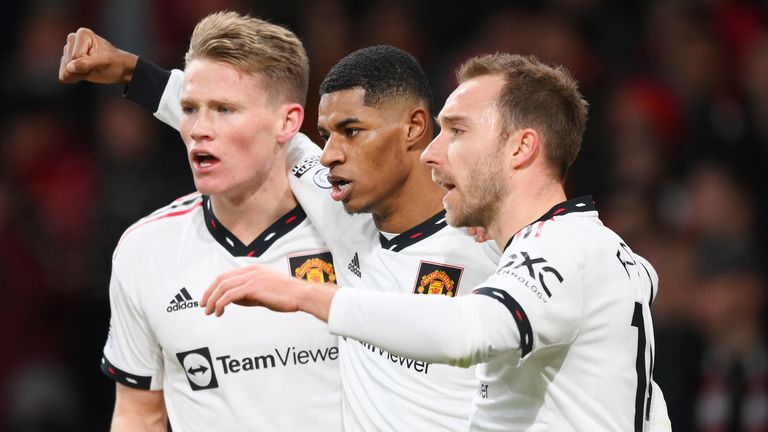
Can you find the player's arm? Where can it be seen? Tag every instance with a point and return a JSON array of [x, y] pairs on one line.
[[132, 355], [481, 325], [89, 57], [138, 410]]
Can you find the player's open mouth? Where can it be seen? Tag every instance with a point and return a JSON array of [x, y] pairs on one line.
[[203, 160], [442, 180], [340, 188]]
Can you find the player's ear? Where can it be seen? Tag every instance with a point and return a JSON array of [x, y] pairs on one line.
[[418, 127], [293, 116], [524, 145]]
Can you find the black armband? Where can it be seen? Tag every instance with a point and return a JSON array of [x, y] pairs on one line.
[[118, 375], [518, 314], [147, 85]]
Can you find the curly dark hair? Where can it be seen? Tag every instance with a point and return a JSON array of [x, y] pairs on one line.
[[384, 72]]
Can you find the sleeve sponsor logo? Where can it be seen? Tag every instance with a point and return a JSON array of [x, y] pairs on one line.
[[528, 271], [438, 279], [317, 267], [321, 178], [305, 165]]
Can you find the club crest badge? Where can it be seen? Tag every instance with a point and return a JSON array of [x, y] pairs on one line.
[[438, 279], [316, 267]]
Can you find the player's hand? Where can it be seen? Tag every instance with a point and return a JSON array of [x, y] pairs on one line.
[[89, 57], [259, 285], [255, 285], [479, 233]]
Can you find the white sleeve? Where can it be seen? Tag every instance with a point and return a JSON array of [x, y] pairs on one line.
[[301, 149], [541, 288], [480, 325], [309, 182], [132, 354], [169, 110], [532, 302]]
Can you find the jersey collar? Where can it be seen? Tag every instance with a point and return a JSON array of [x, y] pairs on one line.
[[258, 246], [415, 234], [576, 205]]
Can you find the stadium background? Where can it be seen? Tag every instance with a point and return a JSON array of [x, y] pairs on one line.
[[675, 152]]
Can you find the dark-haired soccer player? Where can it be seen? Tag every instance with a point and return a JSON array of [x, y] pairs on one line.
[[375, 116]]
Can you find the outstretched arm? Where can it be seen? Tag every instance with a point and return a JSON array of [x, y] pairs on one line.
[[258, 285], [481, 326]]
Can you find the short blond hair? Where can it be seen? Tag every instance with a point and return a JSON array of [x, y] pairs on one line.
[[254, 46], [539, 96]]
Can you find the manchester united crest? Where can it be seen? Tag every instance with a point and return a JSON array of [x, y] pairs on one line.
[[316, 267], [440, 279]]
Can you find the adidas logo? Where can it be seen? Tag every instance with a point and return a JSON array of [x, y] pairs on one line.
[[354, 266], [182, 300]]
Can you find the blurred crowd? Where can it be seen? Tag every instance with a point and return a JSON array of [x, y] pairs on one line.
[[676, 145]]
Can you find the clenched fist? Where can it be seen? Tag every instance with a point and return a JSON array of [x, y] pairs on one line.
[[89, 57]]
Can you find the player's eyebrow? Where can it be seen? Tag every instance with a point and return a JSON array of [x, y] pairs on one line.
[[446, 119], [341, 124], [210, 102]]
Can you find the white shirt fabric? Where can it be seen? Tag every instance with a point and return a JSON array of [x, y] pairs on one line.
[[562, 330], [250, 369]]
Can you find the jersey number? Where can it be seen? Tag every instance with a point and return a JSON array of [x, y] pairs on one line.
[[626, 259], [642, 383]]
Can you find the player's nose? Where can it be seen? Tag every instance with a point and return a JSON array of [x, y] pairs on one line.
[[433, 155], [333, 153]]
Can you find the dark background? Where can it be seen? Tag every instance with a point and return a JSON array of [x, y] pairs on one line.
[[675, 155]]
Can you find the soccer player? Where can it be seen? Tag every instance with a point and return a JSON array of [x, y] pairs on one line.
[[376, 118], [561, 331], [242, 99]]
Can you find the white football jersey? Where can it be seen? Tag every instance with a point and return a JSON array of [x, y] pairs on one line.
[[561, 333], [251, 368], [581, 301], [383, 391]]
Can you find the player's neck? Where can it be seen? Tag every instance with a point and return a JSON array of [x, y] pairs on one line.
[[246, 214], [416, 201], [523, 205]]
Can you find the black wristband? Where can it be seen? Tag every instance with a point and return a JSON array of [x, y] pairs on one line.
[[147, 85]]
